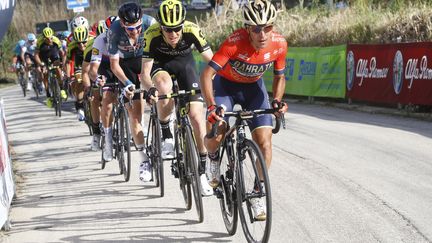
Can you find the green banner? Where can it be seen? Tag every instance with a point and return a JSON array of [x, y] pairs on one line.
[[310, 71]]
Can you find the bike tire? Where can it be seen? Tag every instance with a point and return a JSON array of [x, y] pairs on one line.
[[23, 84], [185, 185], [88, 117], [247, 173], [103, 161], [59, 99], [116, 139], [227, 191], [156, 155], [192, 160], [125, 135]]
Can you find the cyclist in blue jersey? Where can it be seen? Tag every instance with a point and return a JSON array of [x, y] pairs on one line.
[[125, 47], [18, 57]]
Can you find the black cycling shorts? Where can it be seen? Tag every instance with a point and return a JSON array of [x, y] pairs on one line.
[[28, 55], [132, 68], [183, 68]]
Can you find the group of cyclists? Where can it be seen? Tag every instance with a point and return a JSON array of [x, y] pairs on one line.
[[136, 51]]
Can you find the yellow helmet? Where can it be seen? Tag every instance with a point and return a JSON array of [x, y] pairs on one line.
[[47, 32], [99, 27], [80, 34], [171, 13]]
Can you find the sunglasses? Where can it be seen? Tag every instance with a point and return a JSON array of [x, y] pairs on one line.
[[172, 29], [258, 28], [82, 43], [132, 28]]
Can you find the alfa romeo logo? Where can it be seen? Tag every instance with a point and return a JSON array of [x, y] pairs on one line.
[[397, 72], [350, 70]]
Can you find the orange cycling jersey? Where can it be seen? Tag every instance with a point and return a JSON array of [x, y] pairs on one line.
[[238, 61]]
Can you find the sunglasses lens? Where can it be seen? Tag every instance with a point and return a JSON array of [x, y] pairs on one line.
[[257, 29], [174, 29], [132, 28]]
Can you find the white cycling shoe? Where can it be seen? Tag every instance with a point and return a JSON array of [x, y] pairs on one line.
[[168, 149], [258, 208], [206, 189], [95, 144]]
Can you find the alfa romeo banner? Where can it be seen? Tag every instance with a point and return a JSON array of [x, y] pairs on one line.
[[391, 73]]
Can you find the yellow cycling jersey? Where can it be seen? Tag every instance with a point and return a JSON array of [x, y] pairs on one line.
[[73, 47], [157, 48], [41, 42], [88, 50]]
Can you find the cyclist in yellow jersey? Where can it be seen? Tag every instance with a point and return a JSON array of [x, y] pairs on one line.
[[76, 54], [48, 50], [168, 52]]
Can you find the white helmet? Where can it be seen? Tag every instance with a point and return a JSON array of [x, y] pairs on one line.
[[79, 21], [259, 12]]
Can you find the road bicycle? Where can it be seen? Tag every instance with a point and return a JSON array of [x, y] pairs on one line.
[[121, 134], [244, 177], [185, 164], [153, 143], [21, 78], [55, 88]]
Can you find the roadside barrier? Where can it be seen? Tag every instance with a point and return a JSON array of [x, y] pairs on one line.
[[7, 185]]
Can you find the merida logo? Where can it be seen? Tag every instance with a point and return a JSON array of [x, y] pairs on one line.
[[5, 4]]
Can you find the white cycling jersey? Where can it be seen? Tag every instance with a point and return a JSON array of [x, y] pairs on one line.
[[100, 49]]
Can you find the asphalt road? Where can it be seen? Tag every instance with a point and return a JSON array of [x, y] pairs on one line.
[[337, 176]]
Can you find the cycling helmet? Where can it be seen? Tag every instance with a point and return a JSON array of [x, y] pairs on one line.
[[109, 21], [171, 13], [65, 34], [98, 27], [79, 21], [31, 37], [80, 34], [21, 43], [259, 12], [130, 13], [47, 32]]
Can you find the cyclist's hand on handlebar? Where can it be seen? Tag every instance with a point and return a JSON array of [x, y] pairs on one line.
[[214, 113], [280, 105], [151, 96], [128, 91], [100, 81]]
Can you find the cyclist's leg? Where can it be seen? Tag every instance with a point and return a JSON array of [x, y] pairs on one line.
[[131, 68], [261, 126]]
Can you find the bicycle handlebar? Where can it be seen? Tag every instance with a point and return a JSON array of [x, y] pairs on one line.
[[245, 115]]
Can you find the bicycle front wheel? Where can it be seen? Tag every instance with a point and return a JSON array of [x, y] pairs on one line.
[[253, 184], [226, 192], [185, 185], [192, 160], [125, 135]]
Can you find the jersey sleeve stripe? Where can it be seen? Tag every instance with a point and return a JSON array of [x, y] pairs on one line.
[[279, 72], [214, 65]]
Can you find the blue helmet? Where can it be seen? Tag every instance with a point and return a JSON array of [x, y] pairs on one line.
[[65, 34], [31, 37], [21, 43]]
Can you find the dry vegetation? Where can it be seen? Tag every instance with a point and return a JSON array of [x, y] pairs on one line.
[[360, 23]]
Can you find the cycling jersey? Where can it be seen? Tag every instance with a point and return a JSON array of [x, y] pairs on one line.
[[97, 50], [17, 50], [75, 54], [238, 61], [155, 46], [46, 51], [119, 43], [30, 48]]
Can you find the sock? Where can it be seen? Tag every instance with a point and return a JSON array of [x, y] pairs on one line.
[[107, 130], [96, 129], [166, 132], [202, 165], [142, 155]]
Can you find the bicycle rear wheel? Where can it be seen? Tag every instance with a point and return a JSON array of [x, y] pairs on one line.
[[125, 135], [248, 187], [88, 117], [226, 192], [156, 154], [192, 160], [23, 83]]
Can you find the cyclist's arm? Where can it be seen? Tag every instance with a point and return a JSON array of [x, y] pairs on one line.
[[117, 70], [147, 64], [85, 68], [207, 55], [37, 58], [93, 72], [278, 86], [207, 85]]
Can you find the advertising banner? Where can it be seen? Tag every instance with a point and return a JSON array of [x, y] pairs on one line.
[[6, 12], [7, 187], [390, 73], [314, 71]]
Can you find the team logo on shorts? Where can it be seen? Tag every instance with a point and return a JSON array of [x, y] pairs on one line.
[[95, 51], [397, 72], [350, 70]]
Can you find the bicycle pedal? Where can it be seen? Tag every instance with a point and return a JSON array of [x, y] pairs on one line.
[[218, 192]]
